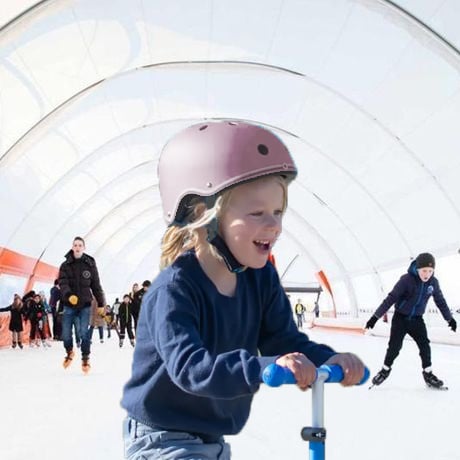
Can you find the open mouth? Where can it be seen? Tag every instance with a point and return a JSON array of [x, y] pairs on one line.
[[263, 244]]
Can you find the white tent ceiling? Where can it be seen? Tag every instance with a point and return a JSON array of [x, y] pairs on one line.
[[365, 92]]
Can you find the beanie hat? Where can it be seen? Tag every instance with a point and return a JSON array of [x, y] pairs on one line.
[[424, 260]]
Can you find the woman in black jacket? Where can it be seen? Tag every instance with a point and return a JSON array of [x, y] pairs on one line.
[[410, 296], [16, 328]]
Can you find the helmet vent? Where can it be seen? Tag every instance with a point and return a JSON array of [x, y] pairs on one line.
[[232, 123], [202, 128], [263, 149]]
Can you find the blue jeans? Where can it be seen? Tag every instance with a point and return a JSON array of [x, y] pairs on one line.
[[80, 318], [145, 443]]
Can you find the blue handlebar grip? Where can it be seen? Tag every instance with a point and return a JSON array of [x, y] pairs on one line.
[[274, 375]]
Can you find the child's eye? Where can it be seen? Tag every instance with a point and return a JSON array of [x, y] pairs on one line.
[[256, 213], [278, 212]]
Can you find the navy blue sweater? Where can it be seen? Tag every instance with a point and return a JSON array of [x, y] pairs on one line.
[[200, 354], [410, 296]]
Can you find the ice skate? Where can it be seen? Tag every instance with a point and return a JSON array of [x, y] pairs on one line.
[[132, 342], [20, 345], [14, 345], [433, 382], [121, 343], [85, 366], [68, 359], [380, 377]]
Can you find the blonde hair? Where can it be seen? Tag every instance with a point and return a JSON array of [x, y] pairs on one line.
[[178, 239]]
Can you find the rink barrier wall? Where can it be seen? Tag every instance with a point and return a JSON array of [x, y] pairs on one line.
[[5, 333], [439, 332], [17, 264]]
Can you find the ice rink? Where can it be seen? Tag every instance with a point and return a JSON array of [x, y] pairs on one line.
[[49, 413]]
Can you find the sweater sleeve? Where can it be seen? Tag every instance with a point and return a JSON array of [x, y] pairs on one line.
[[188, 361]]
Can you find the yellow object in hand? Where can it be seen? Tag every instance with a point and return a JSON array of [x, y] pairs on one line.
[[73, 299]]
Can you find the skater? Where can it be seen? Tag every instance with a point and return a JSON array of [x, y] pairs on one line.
[[55, 298], [79, 282], [109, 319], [97, 321], [410, 296], [136, 302], [217, 314], [36, 315], [300, 312], [125, 320], [15, 326]]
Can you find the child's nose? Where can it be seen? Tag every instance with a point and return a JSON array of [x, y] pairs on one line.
[[272, 222]]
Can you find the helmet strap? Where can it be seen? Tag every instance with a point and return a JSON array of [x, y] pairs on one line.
[[218, 242]]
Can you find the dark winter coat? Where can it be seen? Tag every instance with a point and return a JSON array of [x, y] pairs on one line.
[[124, 313], [80, 277], [36, 312], [137, 301], [410, 296], [55, 297], [15, 319]]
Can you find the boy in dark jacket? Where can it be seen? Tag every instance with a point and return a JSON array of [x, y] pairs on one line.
[[79, 281], [410, 296]]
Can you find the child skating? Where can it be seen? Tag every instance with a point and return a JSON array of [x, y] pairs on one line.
[[217, 314], [410, 296]]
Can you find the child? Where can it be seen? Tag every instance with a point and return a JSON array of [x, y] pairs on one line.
[[410, 296], [36, 314], [125, 320], [15, 326], [217, 314]]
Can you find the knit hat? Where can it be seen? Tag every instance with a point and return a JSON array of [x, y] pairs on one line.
[[425, 260]]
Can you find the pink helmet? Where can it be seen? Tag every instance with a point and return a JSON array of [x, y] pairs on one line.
[[207, 158]]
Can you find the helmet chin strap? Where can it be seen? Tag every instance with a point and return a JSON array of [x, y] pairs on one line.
[[218, 242]]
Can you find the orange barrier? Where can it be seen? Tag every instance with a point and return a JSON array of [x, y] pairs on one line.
[[5, 333], [17, 264]]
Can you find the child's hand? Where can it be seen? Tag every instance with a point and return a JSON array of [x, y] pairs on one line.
[[303, 369], [352, 366]]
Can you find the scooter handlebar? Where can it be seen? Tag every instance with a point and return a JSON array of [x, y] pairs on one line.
[[274, 375]]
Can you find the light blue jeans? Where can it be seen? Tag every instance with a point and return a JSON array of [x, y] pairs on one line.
[[145, 443]]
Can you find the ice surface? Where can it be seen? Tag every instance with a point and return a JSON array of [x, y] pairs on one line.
[[48, 413]]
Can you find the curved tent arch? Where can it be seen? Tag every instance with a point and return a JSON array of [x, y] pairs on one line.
[[365, 128]]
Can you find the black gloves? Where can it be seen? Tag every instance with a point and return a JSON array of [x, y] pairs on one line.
[[371, 323], [452, 324]]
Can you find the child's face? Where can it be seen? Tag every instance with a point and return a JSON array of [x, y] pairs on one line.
[[425, 273], [251, 223]]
